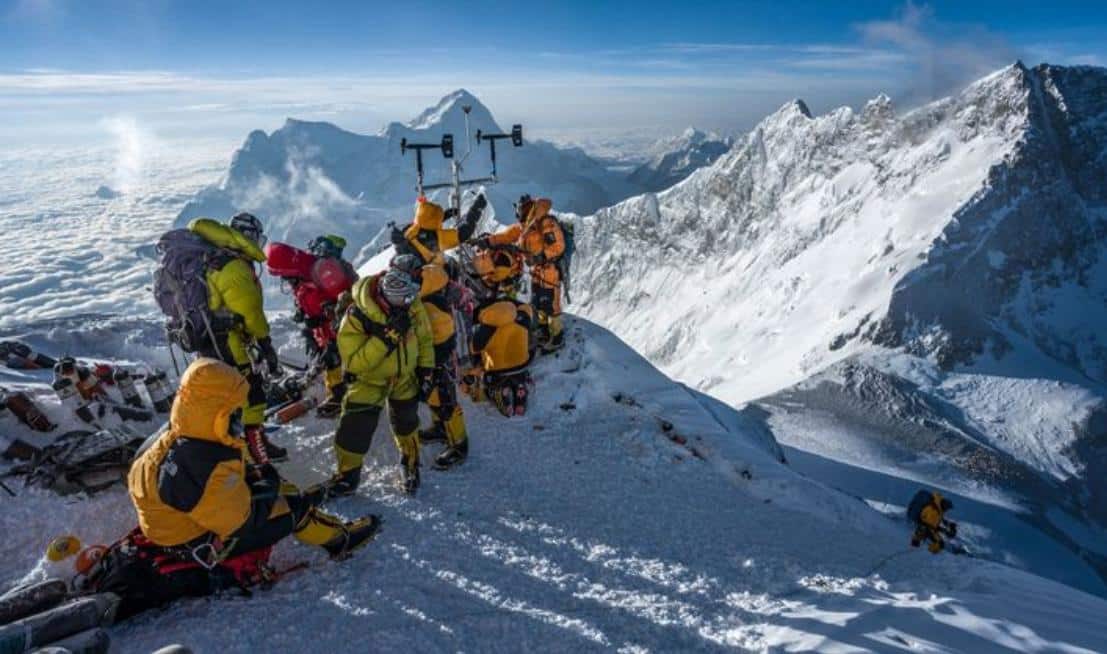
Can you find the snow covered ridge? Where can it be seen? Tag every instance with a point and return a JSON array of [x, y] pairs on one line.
[[955, 230], [308, 178], [923, 296], [677, 158]]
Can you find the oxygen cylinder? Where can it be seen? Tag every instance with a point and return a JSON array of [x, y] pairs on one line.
[[161, 394], [72, 400], [24, 408], [127, 389], [63, 547]]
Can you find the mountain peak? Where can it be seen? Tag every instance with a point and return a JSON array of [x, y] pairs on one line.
[[450, 111]]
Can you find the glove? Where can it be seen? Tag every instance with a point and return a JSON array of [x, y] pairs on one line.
[[272, 362], [522, 319], [400, 322], [479, 204], [484, 241], [951, 529], [397, 236], [449, 213], [298, 316], [539, 259], [425, 377]]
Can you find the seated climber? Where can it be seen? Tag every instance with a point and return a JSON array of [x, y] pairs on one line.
[[205, 514]]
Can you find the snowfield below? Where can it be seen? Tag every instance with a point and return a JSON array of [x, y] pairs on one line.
[[587, 526]]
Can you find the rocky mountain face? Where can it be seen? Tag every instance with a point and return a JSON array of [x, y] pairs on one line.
[[677, 158], [308, 178], [922, 294]]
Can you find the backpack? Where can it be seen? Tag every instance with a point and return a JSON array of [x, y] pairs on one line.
[[918, 503], [146, 576], [181, 287], [565, 261]]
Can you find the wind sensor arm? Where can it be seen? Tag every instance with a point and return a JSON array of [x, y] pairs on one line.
[[446, 146], [516, 137]]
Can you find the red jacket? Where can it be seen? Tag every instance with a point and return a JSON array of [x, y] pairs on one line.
[[317, 284]]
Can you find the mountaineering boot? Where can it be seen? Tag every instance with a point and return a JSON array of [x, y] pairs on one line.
[[346, 480], [451, 456], [555, 344], [343, 484], [339, 538], [263, 450], [436, 433], [409, 477], [408, 445]]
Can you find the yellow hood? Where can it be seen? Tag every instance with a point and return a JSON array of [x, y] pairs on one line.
[[223, 236], [210, 392], [429, 215]]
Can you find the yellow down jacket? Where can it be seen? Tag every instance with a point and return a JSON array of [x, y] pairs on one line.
[[233, 289], [192, 480], [380, 361]]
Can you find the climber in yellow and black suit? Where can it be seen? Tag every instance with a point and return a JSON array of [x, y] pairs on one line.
[[928, 512], [501, 349], [427, 238], [236, 304], [387, 350], [440, 297], [542, 240], [195, 487]]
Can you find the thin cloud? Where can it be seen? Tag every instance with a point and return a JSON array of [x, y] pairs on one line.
[[944, 57]]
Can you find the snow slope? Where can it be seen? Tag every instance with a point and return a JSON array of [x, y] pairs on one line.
[[920, 296], [678, 157], [310, 178], [585, 527]]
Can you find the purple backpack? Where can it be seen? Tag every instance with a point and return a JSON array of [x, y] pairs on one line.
[[181, 288]]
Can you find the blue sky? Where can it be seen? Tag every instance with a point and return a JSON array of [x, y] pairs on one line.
[[187, 68]]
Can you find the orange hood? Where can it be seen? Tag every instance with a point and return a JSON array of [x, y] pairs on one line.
[[210, 392]]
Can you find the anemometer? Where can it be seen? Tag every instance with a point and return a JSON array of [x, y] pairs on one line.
[[446, 146]]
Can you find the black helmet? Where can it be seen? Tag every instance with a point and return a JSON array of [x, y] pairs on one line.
[[522, 207], [327, 247], [250, 227]]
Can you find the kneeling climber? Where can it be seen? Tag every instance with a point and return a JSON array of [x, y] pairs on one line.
[[387, 350], [500, 345]]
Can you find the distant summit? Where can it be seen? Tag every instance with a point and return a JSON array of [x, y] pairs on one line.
[[309, 178]]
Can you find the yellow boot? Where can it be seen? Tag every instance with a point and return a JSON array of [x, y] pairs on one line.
[[408, 445], [346, 479], [457, 449], [339, 538]]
